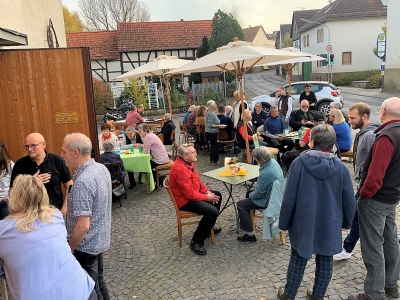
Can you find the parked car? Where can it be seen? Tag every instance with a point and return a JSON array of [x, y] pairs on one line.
[[324, 91]]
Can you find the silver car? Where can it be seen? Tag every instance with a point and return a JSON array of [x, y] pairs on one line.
[[325, 92]]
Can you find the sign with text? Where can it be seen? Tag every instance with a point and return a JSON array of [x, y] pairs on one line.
[[66, 117], [381, 46]]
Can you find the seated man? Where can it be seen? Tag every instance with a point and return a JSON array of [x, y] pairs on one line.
[[290, 156], [110, 157], [301, 117], [259, 116], [274, 125], [250, 132], [167, 129], [258, 199], [225, 120], [192, 195]]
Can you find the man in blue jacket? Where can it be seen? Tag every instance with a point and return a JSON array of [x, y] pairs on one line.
[[275, 125], [315, 217]]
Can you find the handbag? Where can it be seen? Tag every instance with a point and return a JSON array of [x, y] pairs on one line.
[[118, 191]]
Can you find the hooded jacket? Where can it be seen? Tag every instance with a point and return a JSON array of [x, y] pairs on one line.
[[365, 141], [317, 203]]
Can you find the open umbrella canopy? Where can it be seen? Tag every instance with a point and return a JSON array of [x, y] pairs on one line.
[[155, 67], [238, 54]]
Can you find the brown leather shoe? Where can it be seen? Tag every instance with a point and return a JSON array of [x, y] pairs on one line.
[[310, 295], [281, 294]]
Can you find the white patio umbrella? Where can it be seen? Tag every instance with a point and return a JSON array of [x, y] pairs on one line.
[[237, 57], [289, 64], [159, 67]]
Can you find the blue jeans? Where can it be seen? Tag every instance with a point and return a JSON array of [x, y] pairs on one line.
[[295, 273], [379, 246], [354, 235], [4, 212], [209, 212], [93, 265]]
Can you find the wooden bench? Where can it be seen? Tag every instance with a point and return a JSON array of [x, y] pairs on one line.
[[347, 156]]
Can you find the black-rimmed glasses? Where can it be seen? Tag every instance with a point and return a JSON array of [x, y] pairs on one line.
[[32, 146]]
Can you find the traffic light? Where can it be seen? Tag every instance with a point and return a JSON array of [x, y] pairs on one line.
[[331, 59], [324, 62]]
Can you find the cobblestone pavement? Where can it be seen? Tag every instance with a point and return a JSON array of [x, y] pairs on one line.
[[145, 261]]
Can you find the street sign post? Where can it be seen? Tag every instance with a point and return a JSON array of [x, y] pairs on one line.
[[381, 53], [328, 48]]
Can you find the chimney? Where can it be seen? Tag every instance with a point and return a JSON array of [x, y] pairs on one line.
[[181, 20]]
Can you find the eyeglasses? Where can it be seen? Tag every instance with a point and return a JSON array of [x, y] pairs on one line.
[[379, 109], [32, 146], [305, 106]]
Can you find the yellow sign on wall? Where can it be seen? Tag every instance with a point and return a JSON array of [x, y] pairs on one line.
[[66, 117]]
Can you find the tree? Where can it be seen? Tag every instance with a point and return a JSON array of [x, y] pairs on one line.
[[287, 40], [234, 10], [201, 51], [136, 90], [104, 14], [72, 22], [102, 95], [224, 28]]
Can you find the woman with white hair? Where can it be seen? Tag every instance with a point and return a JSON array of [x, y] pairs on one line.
[[44, 267], [110, 157], [212, 128], [258, 199], [190, 110], [167, 129]]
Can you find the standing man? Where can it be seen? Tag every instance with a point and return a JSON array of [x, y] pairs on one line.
[[89, 209], [49, 168], [358, 119], [237, 108], [315, 216], [284, 103], [192, 195], [379, 196]]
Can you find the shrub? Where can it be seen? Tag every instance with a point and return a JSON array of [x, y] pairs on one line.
[[102, 95], [177, 98], [375, 81], [345, 79], [136, 90]]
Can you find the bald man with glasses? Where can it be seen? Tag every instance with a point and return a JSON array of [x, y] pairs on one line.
[[49, 168]]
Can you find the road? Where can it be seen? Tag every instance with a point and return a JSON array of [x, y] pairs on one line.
[[266, 82]]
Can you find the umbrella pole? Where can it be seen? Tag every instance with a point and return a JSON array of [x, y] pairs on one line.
[[239, 77], [168, 94]]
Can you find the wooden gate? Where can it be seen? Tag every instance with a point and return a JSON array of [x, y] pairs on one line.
[[47, 91]]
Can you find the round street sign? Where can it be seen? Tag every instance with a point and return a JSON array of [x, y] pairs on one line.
[[328, 47]]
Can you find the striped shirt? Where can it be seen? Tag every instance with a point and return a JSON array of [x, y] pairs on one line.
[[91, 196]]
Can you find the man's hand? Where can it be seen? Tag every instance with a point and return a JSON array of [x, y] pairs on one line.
[[211, 197], [260, 138], [279, 138], [45, 177]]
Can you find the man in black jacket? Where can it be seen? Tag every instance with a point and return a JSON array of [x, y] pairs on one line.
[[301, 117]]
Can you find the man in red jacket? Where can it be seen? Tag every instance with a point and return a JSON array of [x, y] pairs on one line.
[[192, 195]]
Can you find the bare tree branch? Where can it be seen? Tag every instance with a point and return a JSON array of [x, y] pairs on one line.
[[104, 14]]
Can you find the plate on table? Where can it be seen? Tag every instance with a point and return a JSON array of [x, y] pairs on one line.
[[292, 134]]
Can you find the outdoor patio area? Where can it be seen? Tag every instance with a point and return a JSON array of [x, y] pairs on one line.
[[145, 261]]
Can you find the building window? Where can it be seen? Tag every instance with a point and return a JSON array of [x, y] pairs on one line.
[[346, 58], [320, 35], [306, 40]]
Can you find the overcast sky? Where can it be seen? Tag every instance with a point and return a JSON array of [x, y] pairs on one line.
[[268, 13]]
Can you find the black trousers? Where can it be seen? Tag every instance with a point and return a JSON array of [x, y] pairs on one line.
[[214, 151], [93, 265], [209, 212]]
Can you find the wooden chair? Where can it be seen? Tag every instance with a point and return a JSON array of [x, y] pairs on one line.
[[180, 215], [275, 202], [348, 155], [181, 132], [201, 139], [189, 138], [223, 139], [3, 289], [114, 168], [111, 123], [166, 167]]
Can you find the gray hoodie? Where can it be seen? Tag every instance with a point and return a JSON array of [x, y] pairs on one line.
[[365, 142]]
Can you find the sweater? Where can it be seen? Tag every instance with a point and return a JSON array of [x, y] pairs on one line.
[[274, 125], [317, 203], [343, 136], [211, 119], [269, 172]]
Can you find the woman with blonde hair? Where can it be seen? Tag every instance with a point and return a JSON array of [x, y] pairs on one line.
[[35, 257], [342, 130], [6, 167]]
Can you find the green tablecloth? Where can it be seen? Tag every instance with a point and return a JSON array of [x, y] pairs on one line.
[[139, 162]]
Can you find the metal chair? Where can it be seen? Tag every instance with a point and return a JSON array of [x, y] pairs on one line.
[[114, 168], [180, 214]]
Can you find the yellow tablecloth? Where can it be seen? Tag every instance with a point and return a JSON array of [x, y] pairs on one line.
[[242, 172]]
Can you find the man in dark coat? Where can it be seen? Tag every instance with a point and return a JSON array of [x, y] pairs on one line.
[[167, 129], [301, 117]]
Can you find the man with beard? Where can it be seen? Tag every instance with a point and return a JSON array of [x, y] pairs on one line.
[[301, 117], [358, 119]]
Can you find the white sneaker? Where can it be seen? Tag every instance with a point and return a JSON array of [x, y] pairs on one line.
[[342, 255]]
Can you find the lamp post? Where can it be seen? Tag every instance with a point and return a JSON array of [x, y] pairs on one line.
[[329, 41]]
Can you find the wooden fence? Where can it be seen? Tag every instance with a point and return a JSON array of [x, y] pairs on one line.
[[47, 91]]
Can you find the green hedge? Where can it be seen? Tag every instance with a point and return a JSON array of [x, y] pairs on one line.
[[345, 79]]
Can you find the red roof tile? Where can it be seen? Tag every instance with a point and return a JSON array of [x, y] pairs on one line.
[[102, 44], [141, 36]]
